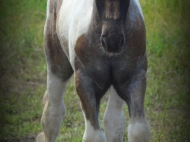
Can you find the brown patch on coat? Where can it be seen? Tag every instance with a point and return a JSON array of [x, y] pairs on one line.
[[137, 36], [81, 43], [108, 9], [81, 48], [112, 10], [116, 13], [57, 61]]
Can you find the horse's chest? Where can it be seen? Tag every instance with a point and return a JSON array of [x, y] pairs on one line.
[[102, 68]]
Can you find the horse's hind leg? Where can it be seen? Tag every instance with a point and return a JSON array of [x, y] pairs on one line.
[[114, 120], [58, 73]]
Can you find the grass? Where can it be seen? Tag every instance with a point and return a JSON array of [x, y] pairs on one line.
[[23, 70], [23, 73]]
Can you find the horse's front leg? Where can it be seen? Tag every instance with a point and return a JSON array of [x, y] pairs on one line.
[[90, 108], [133, 93]]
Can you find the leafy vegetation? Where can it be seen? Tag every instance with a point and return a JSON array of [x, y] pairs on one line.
[[23, 73]]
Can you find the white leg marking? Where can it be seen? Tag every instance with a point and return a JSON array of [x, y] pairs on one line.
[[139, 132], [54, 108], [114, 120], [92, 135]]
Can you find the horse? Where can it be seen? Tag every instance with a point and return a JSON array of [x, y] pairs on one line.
[[103, 43]]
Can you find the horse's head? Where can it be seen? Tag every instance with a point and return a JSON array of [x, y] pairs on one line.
[[113, 15]]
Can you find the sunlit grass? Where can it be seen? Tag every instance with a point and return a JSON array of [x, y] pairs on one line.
[[23, 73]]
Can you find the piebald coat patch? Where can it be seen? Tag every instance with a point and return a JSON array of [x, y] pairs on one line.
[[112, 9]]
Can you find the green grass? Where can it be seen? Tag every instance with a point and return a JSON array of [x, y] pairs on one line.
[[23, 68], [23, 73]]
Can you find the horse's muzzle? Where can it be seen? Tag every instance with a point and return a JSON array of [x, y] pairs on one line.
[[113, 42]]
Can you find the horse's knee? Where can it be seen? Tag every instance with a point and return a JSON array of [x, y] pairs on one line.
[[53, 111], [139, 132]]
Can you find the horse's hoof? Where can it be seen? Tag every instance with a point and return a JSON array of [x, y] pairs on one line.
[[40, 137]]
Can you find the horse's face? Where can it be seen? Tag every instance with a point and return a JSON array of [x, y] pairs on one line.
[[112, 14]]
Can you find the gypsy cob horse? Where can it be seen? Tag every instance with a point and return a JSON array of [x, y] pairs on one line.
[[103, 43]]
